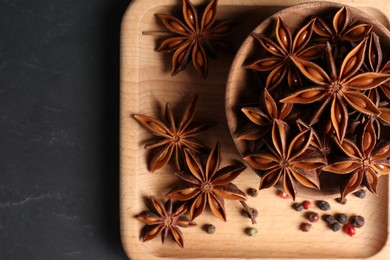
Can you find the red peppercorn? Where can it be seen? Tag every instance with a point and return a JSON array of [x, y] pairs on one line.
[[349, 229], [313, 217], [306, 204], [283, 195]]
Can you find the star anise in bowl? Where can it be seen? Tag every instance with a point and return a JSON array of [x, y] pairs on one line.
[[340, 102]]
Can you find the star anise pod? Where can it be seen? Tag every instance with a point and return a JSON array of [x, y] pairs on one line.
[[208, 185], [173, 137], [280, 63], [364, 161], [165, 220], [263, 116], [288, 160], [338, 88], [195, 37], [343, 28]]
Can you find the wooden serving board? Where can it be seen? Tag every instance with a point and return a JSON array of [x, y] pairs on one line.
[[146, 85]]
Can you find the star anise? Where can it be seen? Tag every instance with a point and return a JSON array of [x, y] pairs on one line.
[[173, 137], [208, 185], [343, 29], [288, 160], [280, 63], [364, 161], [165, 220], [339, 88], [263, 116], [195, 37]]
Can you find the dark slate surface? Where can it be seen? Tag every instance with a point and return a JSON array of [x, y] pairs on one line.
[[59, 101]]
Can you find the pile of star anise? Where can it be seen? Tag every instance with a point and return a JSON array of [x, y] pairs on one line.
[[325, 100]]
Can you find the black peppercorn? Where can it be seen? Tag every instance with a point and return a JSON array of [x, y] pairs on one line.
[[341, 218], [357, 221], [323, 205], [209, 228], [328, 218], [297, 206], [252, 192], [335, 227], [360, 193], [305, 227]]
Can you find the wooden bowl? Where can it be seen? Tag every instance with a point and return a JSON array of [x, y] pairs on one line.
[[241, 83]]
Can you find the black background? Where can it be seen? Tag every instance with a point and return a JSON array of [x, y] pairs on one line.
[[59, 101]]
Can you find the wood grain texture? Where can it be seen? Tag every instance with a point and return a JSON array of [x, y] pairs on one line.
[[146, 85]]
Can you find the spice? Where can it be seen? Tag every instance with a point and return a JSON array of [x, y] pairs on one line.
[[173, 136], [335, 226], [357, 221], [305, 227], [209, 184], [349, 84], [280, 64], [195, 37], [328, 218], [323, 205], [341, 218], [290, 172], [298, 206], [341, 201], [209, 228], [360, 193], [249, 212], [306, 204], [165, 220], [313, 217], [252, 192], [283, 195], [349, 230], [251, 231]]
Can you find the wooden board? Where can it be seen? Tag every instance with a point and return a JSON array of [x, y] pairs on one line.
[[146, 85]]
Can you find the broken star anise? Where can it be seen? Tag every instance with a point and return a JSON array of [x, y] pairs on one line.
[[280, 63], [174, 137], [288, 160], [338, 88], [165, 220], [208, 185], [195, 37], [364, 161]]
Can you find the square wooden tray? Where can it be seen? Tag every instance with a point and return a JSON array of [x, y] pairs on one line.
[[146, 85]]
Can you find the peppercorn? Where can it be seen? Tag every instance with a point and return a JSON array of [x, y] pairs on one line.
[[323, 205], [341, 218], [305, 227], [360, 193], [283, 195], [297, 206], [349, 230], [357, 221], [251, 231], [328, 218], [209, 228], [252, 192], [341, 201], [313, 217], [306, 204], [335, 226]]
